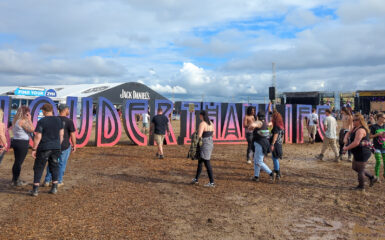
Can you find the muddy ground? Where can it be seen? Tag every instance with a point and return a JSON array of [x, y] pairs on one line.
[[123, 192]]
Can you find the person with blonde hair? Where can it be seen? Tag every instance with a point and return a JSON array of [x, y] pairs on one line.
[[22, 129], [3, 139], [359, 145]]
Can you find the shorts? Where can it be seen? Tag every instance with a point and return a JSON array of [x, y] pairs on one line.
[[313, 130], [159, 139], [146, 125]]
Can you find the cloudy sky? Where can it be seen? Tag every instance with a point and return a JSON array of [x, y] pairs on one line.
[[218, 49]]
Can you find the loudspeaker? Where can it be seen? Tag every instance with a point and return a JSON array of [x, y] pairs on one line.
[[272, 93]]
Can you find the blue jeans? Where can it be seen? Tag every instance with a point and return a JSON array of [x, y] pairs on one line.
[[258, 161], [276, 163], [62, 166]]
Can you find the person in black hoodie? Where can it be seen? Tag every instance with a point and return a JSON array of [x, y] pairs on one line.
[[261, 145]]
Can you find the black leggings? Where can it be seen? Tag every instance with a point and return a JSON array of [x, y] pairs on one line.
[[359, 167], [208, 167], [20, 150]]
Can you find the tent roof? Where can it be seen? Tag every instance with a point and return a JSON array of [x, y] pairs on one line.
[[63, 91]]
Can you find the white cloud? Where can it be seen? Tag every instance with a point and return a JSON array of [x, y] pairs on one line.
[[168, 89], [194, 75], [301, 18], [195, 47]]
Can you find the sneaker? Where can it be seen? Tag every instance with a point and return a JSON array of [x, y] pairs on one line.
[[60, 184], [372, 181], [248, 161], [211, 185], [358, 188], [194, 181], [46, 184], [19, 183], [255, 179], [161, 157]]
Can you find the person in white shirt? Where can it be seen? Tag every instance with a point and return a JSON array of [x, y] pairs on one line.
[[330, 138], [313, 122], [146, 122]]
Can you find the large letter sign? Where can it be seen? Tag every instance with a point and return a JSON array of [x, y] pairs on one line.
[[130, 109], [226, 117], [108, 124], [188, 121], [231, 130], [83, 132]]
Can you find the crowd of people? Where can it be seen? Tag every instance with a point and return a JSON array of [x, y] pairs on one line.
[[54, 138], [51, 143]]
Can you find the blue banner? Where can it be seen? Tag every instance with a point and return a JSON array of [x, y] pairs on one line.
[[35, 92]]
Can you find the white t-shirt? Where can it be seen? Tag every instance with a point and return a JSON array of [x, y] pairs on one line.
[[145, 117], [331, 127], [313, 117]]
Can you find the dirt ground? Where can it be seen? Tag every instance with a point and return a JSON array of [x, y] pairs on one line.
[[123, 192]]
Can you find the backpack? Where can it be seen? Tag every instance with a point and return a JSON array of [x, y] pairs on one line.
[[194, 151], [315, 120]]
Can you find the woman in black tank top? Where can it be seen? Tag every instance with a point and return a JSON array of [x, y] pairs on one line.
[[359, 137], [206, 132]]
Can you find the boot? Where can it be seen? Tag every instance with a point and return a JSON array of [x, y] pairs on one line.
[[277, 175], [272, 177], [53, 188], [35, 191]]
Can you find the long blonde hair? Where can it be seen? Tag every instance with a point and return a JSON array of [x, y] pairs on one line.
[[362, 121], [20, 114]]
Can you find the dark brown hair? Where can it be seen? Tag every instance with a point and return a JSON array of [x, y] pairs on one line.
[[47, 107]]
